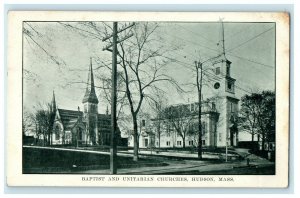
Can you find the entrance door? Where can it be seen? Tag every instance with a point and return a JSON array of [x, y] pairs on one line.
[[231, 136], [146, 142]]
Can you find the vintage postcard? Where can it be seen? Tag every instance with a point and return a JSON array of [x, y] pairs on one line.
[[148, 99]]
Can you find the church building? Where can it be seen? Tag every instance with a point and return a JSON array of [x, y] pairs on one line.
[[178, 127], [87, 127], [219, 113]]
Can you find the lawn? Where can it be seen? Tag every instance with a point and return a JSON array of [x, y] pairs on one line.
[[43, 160]]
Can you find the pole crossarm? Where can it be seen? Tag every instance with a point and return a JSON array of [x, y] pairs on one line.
[[119, 41], [119, 31]]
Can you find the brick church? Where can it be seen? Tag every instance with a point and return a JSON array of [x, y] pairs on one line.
[[87, 127]]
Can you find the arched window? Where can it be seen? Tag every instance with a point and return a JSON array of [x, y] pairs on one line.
[[57, 130], [79, 133]]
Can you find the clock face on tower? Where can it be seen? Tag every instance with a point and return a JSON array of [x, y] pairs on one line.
[[217, 85]]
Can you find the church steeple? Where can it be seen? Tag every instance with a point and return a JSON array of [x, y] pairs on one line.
[[90, 94], [221, 42], [53, 103]]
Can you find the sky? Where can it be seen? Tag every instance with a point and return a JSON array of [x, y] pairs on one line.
[[57, 57]]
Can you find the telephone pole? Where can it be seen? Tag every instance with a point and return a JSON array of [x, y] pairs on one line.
[[113, 139], [198, 66], [199, 82]]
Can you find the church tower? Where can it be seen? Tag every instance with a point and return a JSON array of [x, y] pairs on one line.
[[90, 108], [224, 93]]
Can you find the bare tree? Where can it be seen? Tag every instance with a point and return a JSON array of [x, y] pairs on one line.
[[143, 64], [43, 119], [158, 107], [181, 119], [142, 59]]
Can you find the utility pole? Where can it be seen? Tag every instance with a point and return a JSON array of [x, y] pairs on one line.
[[223, 52], [198, 66], [113, 139], [199, 82]]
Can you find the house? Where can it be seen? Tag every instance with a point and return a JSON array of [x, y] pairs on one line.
[[145, 133]]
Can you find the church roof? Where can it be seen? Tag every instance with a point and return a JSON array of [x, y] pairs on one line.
[[70, 117], [90, 94], [187, 110]]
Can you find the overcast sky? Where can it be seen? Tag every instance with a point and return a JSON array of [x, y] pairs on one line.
[[249, 46]]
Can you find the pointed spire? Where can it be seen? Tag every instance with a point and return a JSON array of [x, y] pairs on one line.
[[53, 102], [90, 94], [221, 43], [91, 73], [221, 38]]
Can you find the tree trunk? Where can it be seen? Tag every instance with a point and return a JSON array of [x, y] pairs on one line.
[[200, 139], [48, 142], [159, 140], [51, 137], [263, 141], [135, 139], [44, 136], [158, 135], [183, 144]]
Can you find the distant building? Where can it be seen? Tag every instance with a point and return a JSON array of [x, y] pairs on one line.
[[146, 134], [187, 124], [86, 127]]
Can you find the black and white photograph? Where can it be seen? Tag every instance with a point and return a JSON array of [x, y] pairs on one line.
[[131, 97]]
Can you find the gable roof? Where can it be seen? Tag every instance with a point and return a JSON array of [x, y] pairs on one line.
[[70, 117]]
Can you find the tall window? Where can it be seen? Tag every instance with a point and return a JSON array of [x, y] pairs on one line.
[[231, 107], [203, 127], [143, 123], [230, 86], [218, 71], [213, 106], [79, 134], [227, 70], [93, 108], [57, 133]]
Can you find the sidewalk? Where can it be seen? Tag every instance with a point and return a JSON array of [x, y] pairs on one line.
[[195, 166], [181, 155]]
